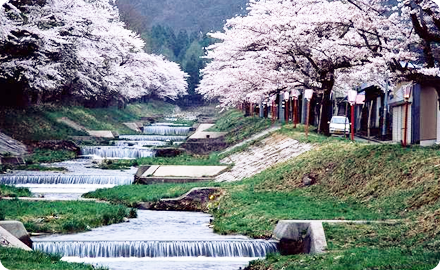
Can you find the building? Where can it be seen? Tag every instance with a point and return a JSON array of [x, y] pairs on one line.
[[423, 119]]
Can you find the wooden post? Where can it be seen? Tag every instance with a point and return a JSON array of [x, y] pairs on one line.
[[307, 119], [352, 122], [406, 124]]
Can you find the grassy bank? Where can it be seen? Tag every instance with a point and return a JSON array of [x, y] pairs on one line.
[[183, 159], [17, 259], [132, 195], [10, 191], [41, 156], [63, 217], [40, 122], [238, 126], [354, 181], [359, 247]]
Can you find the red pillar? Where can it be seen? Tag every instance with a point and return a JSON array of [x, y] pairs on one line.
[[352, 122], [307, 119], [405, 130]]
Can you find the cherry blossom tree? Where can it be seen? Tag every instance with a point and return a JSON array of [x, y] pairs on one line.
[[53, 49], [425, 18], [311, 44]]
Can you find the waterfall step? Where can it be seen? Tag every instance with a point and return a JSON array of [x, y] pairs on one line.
[[66, 179], [152, 138], [117, 151], [140, 249], [166, 130]]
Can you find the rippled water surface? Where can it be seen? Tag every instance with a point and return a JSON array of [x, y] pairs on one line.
[[158, 226]]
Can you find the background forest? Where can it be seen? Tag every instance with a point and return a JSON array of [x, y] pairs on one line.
[[177, 29]]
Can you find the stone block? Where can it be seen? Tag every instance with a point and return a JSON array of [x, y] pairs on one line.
[[17, 229], [300, 237], [102, 134]]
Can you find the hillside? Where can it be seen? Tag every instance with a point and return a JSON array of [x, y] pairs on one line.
[[189, 15]]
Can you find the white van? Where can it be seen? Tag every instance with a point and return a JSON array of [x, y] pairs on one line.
[[339, 125]]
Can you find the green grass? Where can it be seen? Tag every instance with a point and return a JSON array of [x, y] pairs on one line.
[[132, 195], [63, 217], [238, 126], [355, 181], [183, 159], [50, 156], [40, 122], [11, 191], [367, 246], [38, 167], [17, 259]]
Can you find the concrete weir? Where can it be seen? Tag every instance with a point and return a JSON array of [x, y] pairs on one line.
[[177, 174], [308, 236], [13, 234], [300, 236]]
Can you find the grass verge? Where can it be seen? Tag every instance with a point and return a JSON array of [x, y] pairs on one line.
[[358, 247], [353, 181], [17, 259], [238, 126], [132, 195], [11, 191], [183, 159], [40, 122], [63, 217]]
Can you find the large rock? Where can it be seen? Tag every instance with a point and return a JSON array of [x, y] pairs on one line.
[[197, 199], [18, 230]]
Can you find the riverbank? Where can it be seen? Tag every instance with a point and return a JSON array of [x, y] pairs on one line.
[[348, 181], [17, 259], [41, 122]]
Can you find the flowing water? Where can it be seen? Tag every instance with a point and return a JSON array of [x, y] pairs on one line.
[[158, 240], [120, 152], [79, 178], [166, 130], [145, 143], [152, 138]]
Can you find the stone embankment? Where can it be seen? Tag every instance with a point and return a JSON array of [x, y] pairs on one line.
[[262, 155], [10, 146]]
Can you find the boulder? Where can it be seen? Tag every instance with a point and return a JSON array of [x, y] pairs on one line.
[[196, 199]]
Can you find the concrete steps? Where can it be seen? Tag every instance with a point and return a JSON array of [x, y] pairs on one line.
[[260, 156]]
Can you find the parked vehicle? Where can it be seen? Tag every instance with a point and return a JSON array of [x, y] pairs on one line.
[[339, 125]]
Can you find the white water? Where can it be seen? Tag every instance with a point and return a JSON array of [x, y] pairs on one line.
[[152, 138], [168, 124], [179, 235], [166, 130], [158, 248], [66, 179], [140, 143], [79, 178], [117, 151]]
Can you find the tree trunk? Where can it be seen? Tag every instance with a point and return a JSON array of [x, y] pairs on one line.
[[326, 109], [320, 116], [370, 110]]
